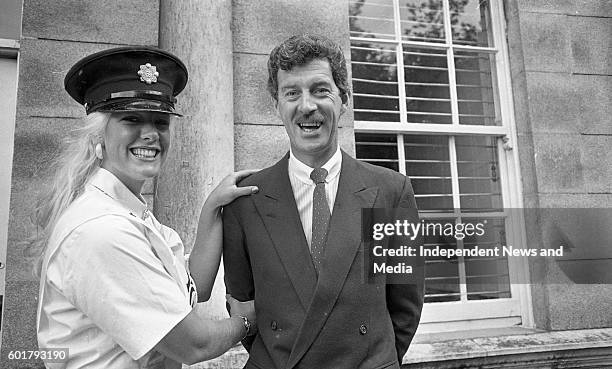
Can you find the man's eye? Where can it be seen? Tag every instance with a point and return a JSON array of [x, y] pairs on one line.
[[291, 93], [321, 91]]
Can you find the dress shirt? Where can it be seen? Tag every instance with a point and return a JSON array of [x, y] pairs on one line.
[[303, 187]]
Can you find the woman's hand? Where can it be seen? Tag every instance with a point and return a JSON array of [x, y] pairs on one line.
[[227, 191], [246, 309]]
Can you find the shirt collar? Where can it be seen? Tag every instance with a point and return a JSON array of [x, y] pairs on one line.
[[302, 171], [110, 185]]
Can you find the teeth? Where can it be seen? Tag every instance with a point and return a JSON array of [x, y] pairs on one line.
[[144, 153], [310, 125]]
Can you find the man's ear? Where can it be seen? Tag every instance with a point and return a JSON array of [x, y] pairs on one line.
[[275, 105], [344, 106]]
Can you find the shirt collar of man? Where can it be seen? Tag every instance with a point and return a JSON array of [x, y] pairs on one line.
[[302, 171], [110, 185]]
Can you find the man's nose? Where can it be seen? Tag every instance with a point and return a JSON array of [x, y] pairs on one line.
[[307, 105]]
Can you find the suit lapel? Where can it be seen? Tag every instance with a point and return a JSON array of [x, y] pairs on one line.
[[276, 206], [341, 248]]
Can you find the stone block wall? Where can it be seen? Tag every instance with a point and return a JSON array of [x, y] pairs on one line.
[[562, 79]]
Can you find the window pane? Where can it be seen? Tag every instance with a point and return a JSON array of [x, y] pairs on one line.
[[427, 88], [377, 149], [487, 278], [422, 20], [441, 273], [470, 22], [10, 19], [428, 166], [426, 70], [472, 182], [478, 168], [375, 92], [372, 19], [475, 88]]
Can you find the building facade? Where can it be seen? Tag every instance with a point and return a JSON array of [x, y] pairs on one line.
[[488, 106]]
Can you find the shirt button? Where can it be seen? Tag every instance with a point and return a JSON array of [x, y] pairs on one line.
[[274, 325], [363, 329]]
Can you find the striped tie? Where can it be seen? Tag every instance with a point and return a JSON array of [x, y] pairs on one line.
[[320, 217]]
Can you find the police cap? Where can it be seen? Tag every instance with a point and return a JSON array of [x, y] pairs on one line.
[[135, 78]]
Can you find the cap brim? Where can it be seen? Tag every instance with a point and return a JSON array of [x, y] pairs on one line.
[[133, 105], [138, 110]]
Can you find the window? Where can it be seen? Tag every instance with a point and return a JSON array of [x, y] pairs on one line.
[[432, 101]]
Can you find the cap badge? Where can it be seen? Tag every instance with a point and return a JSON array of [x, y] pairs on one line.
[[148, 73]]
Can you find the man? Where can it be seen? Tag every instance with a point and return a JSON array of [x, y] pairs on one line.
[[294, 246]]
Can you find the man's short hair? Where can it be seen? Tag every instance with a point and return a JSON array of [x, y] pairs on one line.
[[301, 49]]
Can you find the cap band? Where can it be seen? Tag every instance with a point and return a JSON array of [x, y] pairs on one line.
[[133, 100], [150, 94]]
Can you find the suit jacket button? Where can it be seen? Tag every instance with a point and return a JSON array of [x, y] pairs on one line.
[[363, 329], [273, 325]]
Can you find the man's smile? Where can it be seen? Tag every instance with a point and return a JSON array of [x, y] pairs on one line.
[[310, 126]]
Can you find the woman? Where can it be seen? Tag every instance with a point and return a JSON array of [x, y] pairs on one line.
[[114, 288]]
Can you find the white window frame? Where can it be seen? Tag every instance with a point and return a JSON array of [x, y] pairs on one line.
[[477, 314], [9, 49]]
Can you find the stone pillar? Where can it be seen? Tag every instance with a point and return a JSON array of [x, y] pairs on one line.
[[198, 32]]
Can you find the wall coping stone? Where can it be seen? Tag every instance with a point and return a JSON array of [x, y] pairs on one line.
[[473, 344], [504, 341]]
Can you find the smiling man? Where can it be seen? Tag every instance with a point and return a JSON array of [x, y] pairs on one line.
[[294, 247]]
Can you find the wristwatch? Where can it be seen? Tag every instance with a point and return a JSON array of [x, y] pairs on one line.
[[247, 325]]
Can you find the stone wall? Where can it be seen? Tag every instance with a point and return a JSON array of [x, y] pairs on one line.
[[561, 68]]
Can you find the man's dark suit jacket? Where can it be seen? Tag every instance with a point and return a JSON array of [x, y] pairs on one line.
[[333, 321]]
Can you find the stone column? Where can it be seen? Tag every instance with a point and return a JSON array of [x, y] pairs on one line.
[[198, 32]]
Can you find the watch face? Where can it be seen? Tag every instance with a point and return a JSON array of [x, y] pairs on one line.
[[247, 324]]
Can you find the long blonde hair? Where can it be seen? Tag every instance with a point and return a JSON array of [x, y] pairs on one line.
[[73, 168]]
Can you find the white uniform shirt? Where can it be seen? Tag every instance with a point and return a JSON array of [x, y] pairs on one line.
[[303, 187], [107, 295]]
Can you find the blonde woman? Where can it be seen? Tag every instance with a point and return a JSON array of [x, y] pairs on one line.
[[115, 289]]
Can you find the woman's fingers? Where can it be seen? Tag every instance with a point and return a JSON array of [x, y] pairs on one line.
[[244, 173], [246, 190], [227, 191]]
